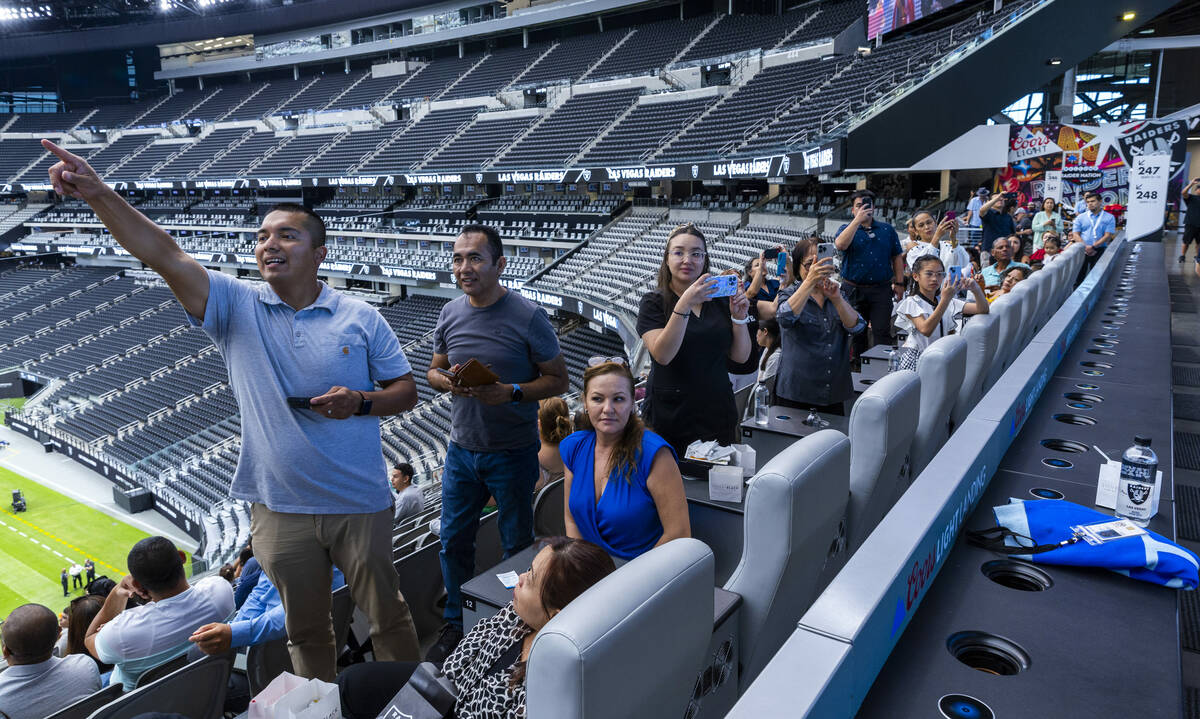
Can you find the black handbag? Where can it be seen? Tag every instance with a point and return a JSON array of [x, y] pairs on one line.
[[429, 694]]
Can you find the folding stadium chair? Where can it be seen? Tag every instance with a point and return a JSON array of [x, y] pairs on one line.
[[264, 662], [548, 518], [197, 691], [160, 671], [84, 708]]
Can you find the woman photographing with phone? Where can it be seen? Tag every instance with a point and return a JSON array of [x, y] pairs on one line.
[[815, 326], [691, 336]]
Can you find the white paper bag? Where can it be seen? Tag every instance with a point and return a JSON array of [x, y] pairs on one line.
[[746, 459], [725, 484], [291, 697]]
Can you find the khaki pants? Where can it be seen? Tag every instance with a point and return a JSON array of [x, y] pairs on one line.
[[298, 551]]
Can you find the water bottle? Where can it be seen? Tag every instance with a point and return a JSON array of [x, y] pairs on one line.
[[762, 404], [894, 360], [1135, 489]]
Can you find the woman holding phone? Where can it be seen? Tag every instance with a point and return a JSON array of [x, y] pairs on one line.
[[1049, 219], [815, 326], [931, 237], [692, 335]]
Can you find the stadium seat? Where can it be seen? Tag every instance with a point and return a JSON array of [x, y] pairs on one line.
[[266, 661], [982, 333], [548, 511], [630, 646], [793, 508], [83, 708], [881, 432], [196, 691], [155, 673], [1027, 295], [1007, 316], [419, 591], [942, 369]]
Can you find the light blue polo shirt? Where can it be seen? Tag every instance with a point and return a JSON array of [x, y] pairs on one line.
[[1092, 227], [295, 460]]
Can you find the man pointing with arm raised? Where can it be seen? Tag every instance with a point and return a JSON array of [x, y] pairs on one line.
[[315, 477]]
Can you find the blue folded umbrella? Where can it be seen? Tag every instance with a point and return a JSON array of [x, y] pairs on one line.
[[1046, 525]]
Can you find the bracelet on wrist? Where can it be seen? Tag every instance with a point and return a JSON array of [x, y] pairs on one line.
[[744, 320], [681, 314]]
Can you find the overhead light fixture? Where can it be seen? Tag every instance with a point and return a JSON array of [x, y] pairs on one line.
[[1054, 61], [1128, 15]]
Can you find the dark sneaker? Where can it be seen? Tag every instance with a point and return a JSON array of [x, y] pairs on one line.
[[446, 642], [1183, 258]]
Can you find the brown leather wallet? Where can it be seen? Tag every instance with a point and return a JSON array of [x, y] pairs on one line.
[[474, 373]]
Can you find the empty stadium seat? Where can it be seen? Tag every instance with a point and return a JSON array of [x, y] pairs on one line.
[[942, 368], [643, 630], [549, 519], [881, 432], [982, 334], [1008, 317], [792, 510]]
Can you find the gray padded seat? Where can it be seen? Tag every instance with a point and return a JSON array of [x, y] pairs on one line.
[[982, 334], [1026, 293], [942, 369], [548, 509], [632, 645], [1007, 314], [1044, 282], [793, 509], [882, 424], [196, 691]]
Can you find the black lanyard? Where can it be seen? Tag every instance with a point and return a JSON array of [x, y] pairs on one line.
[[993, 538]]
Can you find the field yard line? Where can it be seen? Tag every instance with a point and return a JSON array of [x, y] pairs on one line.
[[31, 539], [176, 535]]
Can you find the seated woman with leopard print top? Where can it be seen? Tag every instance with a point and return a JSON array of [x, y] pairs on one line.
[[488, 666]]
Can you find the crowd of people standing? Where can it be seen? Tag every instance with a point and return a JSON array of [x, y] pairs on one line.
[[323, 514]]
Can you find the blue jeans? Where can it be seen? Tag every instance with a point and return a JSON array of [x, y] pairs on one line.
[[468, 479]]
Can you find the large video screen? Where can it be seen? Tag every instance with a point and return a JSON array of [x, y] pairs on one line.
[[883, 16]]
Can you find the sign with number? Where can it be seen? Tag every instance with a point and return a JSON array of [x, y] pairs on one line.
[[1147, 195], [1054, 185]]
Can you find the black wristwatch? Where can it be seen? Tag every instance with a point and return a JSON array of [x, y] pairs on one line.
[[365, 409], [517, 394], [898, 284]]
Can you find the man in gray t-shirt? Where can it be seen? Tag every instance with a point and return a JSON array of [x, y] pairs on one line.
[[493, 436], [37, 684], [408, 500]]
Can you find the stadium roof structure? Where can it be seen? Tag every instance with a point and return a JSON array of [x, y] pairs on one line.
[[51, 27]]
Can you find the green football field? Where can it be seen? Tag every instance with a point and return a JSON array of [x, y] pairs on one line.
[[37, 544]]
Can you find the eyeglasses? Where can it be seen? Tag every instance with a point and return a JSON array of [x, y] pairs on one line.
[[598, 360], [678, 255]]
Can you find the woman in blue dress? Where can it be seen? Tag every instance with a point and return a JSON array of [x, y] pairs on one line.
[[623, 488]]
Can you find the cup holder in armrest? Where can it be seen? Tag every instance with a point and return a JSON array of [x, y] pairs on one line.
[[1018, 575], [962, 706], [1069, 446], [988, 653], [1084, 396], [1075, 419], [1057, 463]]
